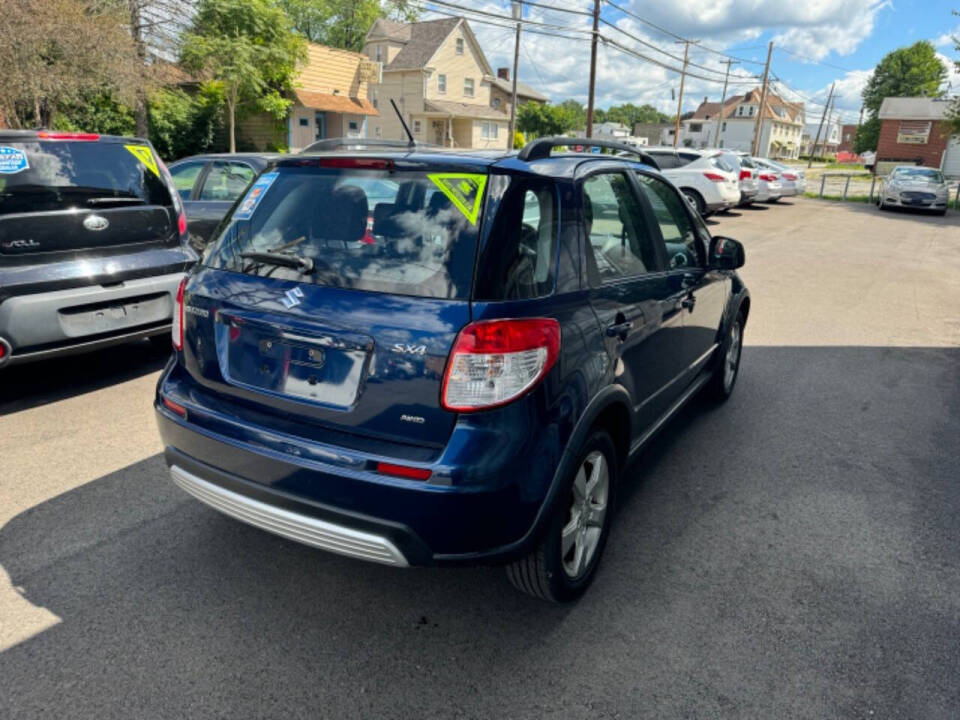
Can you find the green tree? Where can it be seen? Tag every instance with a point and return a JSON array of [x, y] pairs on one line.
[[576, 111], [247, 48], [186, 123], [536, 120], [905, 72], [342, 23], [96, 112], [630, 114], [954, 114]]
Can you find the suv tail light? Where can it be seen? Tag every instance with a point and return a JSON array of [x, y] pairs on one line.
[[177, 328], [495, 362], [714, 176], [744, 174], [182, 223]]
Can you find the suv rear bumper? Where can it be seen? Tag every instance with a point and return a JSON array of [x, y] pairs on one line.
[[44, 324]]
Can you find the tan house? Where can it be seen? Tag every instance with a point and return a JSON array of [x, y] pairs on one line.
[[441, 81], [330, 100]]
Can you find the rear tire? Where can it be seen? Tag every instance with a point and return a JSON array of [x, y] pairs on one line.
[[563, 565], [720, 386]]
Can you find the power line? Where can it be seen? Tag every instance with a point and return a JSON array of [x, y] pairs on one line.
[[815, 62]]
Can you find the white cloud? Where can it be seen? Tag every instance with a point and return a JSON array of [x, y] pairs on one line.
[[948, 39]]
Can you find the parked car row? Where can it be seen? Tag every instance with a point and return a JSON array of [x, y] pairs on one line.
[[715, 180]]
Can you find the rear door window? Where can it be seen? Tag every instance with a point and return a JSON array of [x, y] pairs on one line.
[[666, 161], [520, 252], [226, 181], [185, 177], [60, 175], [400, 232], [613, 221]]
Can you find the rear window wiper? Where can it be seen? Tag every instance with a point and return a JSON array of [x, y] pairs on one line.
[[111, 200], [297, 262]]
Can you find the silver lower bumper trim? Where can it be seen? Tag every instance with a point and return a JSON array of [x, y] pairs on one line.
[[293, 526]]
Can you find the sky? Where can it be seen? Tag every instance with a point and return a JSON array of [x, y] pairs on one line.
[[816, 43]]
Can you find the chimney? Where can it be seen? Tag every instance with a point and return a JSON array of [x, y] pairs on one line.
[[503, 73], [705, 98]]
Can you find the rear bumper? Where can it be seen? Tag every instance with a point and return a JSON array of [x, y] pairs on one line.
[[45, 324], [481, 505]]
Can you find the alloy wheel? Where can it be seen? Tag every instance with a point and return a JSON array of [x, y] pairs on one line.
[[585, 521], [732, 359]]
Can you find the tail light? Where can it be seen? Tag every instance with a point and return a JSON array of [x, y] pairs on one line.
[[177, 328], [768, 177], [495, 362], [47, 135], [182, 223], [789, 176], [714, 176], [744, 174]]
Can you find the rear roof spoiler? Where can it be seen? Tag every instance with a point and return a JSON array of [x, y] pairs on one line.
[[540, 148]]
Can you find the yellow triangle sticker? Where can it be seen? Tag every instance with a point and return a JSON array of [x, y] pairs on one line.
[[464, 190], [145, 156]]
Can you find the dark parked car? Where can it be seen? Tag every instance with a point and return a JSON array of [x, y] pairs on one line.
[[210, 184], [93, 243], [463, 384]]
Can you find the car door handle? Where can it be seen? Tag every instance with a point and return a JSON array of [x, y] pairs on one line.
[[688, 302], [619, 329]]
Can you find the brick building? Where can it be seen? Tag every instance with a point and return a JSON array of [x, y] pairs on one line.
[[847, 135], [914, 131]]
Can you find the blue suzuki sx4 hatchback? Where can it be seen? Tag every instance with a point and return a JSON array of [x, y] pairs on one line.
[[424, 357]]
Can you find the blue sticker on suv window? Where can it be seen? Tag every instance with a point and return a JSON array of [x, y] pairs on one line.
[[254, 196], [12, 160]]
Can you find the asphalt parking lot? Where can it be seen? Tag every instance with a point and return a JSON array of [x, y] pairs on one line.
[[792, 554]]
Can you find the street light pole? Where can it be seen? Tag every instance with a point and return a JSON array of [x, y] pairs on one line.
[[517, 9]]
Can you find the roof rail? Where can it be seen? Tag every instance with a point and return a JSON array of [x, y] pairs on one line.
[[346, 143], [540, 148]]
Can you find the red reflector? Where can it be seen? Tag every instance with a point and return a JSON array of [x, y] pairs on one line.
[[403, 471], [47, 135], [182, 224], [714, 177], [178, 409], [176, 329], [744, 174], [359, 163]]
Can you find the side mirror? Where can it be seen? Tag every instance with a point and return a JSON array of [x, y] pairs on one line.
[[726, 254]]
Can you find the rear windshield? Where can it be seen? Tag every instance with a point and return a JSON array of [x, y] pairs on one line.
[[393, 231], [43, 176], [725, 163]]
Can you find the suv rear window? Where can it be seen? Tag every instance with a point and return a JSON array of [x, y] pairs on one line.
[[44, 176], [394, 231]]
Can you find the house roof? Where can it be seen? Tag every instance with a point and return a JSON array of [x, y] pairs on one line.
[[383, 29], [335, 103], [776, 107], [473, 110], [706, 111], [914, 108], [523, 90], [424, 41]]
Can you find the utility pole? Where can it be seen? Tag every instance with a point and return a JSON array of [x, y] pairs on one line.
[[593, 67], [758, 126], [723, 100], [517, 7], [823, 117], [683, 77]]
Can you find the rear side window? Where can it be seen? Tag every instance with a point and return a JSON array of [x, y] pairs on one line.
[[226, 181], [666, 161], [44, 176], [615, 226], [722, 162], [520, 253], [398, 232], [686, 158], [679, 235]]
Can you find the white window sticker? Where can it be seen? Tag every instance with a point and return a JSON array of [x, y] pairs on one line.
[[12, 160]]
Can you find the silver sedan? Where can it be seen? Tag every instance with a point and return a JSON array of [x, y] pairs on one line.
[[915, 187]]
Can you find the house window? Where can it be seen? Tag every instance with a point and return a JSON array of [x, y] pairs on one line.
[[723, 128], [441, 83], [913, 133], [496, 102], [375, 103], [304, 122], [459, 46], [353, 125], [489, 130], [376, 131], [416, 127], [379, 53], [721, 143], [696, 127], [751, 110], [468, 87], [740, 110]]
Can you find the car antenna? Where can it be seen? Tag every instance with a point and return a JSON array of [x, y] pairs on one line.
[[412, 143]]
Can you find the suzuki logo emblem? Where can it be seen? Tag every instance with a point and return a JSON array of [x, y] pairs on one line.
[[95, 222], [291, 298]]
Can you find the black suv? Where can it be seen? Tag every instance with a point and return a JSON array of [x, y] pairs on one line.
[[461, 381], [93, 243]]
